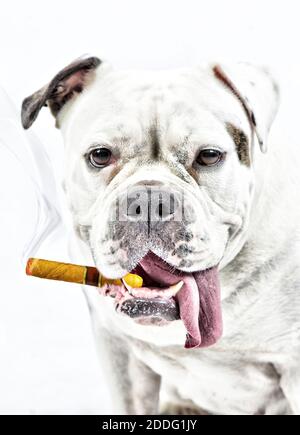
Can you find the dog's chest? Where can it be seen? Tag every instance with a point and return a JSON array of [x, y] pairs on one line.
[[217, 382], [237, 376]]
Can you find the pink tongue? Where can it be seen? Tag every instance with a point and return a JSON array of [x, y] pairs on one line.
[[199, 299]]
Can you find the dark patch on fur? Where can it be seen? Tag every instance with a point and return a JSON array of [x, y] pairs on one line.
[[184, 250], [114, 173], [183, 234], [185, 263], [181, 153], [241, 143], [193, 173], [83, 231], [154, 138]]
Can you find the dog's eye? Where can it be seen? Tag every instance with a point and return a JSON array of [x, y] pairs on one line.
[[100, 157], [209, 157]]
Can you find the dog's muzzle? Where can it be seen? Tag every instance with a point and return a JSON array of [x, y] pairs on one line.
[[150, 217]]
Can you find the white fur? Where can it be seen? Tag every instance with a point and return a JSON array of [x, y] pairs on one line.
[[255, 366]]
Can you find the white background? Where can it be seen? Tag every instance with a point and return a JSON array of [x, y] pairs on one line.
[[48, 362]]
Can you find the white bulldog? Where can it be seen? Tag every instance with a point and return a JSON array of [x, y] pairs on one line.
[[165, 177]]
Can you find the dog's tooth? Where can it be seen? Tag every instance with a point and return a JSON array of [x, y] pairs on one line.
[[127, 286], [174, 289]]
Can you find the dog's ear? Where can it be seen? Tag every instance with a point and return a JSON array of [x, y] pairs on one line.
[[257, 92], [65, 85]]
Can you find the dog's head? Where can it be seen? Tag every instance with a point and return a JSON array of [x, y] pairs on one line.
[[159, 167]]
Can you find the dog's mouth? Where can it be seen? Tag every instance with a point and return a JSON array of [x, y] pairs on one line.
[[169, 294]]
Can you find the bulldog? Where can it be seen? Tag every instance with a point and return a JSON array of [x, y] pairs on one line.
[[167, 176]]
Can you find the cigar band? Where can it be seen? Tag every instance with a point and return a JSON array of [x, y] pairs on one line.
[[92, 276]]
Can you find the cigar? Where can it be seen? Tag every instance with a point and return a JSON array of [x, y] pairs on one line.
[[78, 274]]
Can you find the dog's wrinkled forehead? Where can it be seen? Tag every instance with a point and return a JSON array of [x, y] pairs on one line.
[[153, 113]]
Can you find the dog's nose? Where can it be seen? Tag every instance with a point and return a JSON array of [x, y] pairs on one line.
[[148, 204]]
